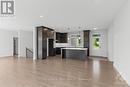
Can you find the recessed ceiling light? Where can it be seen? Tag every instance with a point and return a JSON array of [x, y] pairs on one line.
[[95, 28], [41, 16]]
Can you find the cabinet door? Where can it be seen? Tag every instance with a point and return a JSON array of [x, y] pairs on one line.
[[61, 37], [44, 48], [58, 37], [50, 34], [86, 40], [51, 47], [39, 43], [45, 33]]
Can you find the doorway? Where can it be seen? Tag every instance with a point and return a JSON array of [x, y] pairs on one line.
[[15, 46]]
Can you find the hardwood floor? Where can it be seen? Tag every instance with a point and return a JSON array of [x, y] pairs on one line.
[[55, 72]]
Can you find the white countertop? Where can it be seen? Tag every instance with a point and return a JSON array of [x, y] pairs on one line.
[[75, 48], [62, 45]]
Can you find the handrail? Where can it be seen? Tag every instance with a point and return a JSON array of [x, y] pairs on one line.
[[27, 53]]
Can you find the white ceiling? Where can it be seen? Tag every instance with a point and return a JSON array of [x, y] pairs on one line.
[[62, 14]]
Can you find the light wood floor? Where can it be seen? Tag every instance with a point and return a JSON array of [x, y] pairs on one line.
[[55, 72]]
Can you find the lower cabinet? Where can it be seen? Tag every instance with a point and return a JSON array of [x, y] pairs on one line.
[[58, 50]]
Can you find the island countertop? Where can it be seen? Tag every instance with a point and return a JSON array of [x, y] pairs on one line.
[[74, 53], [75, 48]]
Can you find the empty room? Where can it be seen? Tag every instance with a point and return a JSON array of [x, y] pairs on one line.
[[64, 43]]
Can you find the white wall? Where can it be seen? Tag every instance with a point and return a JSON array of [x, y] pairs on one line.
[[25, 41], [6, 42], [34, 43], [110, 43], [103, 51], [120, 42]]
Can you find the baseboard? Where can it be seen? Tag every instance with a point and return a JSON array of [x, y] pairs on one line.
[[98, 56], [5, 56], [121, 75]]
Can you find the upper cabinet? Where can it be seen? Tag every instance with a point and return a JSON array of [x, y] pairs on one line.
[[86, 39], [61, 37], [48, 33]]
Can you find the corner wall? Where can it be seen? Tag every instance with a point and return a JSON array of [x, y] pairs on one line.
[[25, 41], [6, 42], [119, 42]]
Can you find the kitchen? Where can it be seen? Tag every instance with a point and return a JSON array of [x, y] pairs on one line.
[[75, 45]]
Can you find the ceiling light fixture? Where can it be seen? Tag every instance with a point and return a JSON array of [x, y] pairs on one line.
[[41, 16], [95, 28]]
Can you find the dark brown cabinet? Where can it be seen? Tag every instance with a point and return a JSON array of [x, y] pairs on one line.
[[51, 47], [61, 37], [86, 40], [43, 35]]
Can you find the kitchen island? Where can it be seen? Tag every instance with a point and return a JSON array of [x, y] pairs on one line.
[[74, 53]]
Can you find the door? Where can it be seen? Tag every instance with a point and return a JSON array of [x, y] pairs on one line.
[[15, 41]]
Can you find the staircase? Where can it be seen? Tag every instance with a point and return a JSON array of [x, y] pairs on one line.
[[29, 53]]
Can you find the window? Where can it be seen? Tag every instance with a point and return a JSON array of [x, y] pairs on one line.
[[96, 41]]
